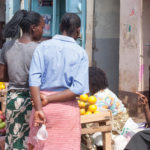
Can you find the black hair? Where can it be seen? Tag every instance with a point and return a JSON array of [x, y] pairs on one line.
[[22, 19], [97, 80], [70, 22]]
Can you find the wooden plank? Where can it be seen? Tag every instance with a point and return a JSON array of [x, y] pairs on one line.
[[107, 141], [96, 129], [96, 117], [89, 29]]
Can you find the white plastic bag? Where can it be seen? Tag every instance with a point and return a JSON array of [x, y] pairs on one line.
[[120, 142], [97, 137], [42, 133], [129, 126]]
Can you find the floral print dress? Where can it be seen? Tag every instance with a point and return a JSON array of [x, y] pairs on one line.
[[18, 109], [106, 99]]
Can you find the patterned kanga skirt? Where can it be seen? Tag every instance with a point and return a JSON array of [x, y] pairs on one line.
[[18, 109]]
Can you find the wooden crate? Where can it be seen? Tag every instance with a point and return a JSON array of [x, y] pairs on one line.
[[104, 121]]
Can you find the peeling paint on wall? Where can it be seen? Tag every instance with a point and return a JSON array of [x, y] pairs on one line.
[[129, 35]]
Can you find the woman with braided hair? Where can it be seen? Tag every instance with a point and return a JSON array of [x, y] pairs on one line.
[[15, 61]]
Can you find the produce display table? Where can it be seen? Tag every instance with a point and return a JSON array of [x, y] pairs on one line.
[[3, 94], [103, 120]]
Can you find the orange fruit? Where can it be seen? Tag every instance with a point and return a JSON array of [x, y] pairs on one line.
[[82, 111], [82, 104], [88, 113], [96, 112], [84, 97], [92, 99], [92, 108]]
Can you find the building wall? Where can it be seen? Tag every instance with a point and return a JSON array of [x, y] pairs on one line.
[[106, 39], [131, 53], [11, 7]]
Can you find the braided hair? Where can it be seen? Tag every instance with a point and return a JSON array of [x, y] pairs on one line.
[[97, 80], [22, 19]]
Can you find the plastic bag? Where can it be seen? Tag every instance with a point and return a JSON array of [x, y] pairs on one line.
[[97, 137], [120, 142], [129, 126], [42, 133]]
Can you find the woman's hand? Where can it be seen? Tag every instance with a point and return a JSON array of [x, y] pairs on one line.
[[39, 118], [44, 100], [142, 99]]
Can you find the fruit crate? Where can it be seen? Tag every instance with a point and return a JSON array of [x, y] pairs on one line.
[[103, 123]]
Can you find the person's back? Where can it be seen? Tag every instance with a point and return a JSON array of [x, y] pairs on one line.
[[62, 57], [18, 57], [59, 68], [14, 63]]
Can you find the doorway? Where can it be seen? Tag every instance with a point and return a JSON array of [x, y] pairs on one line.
[[106, 40]]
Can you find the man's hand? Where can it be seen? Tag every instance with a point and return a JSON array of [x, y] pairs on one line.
[[39, 118], [142, 99], [44, 100]]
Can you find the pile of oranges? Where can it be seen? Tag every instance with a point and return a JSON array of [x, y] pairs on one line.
[[87, 105], [2, 85]]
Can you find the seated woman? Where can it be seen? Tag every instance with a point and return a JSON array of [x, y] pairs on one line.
[[106, 99], [141, 140]]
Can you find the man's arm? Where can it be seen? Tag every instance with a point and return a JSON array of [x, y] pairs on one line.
[[144, 101]]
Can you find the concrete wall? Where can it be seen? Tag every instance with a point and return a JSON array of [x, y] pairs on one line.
[[131, 53], [106, 39], [130, 45]]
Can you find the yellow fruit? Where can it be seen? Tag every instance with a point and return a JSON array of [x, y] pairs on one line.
[[96, 112], [92, 108], [82, 111], [82, 104], [88, 113], [84, 97], [92, 99], [2, 85]]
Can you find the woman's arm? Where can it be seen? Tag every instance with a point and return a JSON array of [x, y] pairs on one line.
[[3, 73], [63, 96], [39, 117]]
